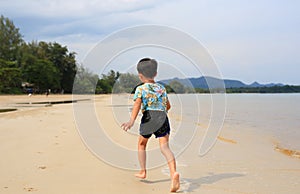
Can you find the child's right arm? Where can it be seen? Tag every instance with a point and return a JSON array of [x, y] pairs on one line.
[[135, 111]]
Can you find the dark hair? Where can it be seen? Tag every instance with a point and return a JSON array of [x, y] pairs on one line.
[[147, 67]]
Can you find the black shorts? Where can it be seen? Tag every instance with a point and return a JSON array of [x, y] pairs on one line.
[[154, 122]]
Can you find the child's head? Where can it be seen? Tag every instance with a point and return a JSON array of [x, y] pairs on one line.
[[147, 67]]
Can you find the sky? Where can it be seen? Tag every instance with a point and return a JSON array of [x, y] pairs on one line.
[[257, 40]]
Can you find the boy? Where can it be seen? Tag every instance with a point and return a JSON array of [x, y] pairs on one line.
[[151, 98]]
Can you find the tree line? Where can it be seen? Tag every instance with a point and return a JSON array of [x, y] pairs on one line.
[[37, 66], [273, 89]]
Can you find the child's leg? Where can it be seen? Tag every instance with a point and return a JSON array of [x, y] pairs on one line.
[[142, 143], [166, 151]]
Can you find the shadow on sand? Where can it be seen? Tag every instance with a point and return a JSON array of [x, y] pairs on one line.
[[7, 110], [55, 102], [194, 184], [189, 185], [155, 181]]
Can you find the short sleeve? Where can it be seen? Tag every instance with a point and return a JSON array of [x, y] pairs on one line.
[[165, 93], [165, 98], [138, 93]]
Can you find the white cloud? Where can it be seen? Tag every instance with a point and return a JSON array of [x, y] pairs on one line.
[[72, 8], [242, 35]]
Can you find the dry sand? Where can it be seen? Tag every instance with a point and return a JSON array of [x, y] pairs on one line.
[[42, 152]]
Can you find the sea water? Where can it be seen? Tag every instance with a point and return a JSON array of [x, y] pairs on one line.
[[277, 115]]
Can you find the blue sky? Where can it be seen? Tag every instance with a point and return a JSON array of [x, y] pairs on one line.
[[256, 40]]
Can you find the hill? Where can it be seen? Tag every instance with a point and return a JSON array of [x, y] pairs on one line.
[[206, 82]]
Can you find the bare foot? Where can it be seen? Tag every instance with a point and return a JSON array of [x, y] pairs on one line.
[[175, 182], [141, 174]]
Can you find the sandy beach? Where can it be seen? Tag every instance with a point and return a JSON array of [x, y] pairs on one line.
[[43, 152]]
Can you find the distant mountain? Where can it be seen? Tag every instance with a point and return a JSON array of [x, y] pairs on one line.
[[211, 82], [255, 84]]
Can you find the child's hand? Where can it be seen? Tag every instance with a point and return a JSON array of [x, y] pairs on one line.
[[127, 126]]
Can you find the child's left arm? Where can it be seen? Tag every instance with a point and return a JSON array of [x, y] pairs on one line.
[[168, 105], [135, 110]]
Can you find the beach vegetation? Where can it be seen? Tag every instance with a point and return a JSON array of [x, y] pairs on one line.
[[106, 83], [126, 83], [177, 87], [41, 64], [85, 81]]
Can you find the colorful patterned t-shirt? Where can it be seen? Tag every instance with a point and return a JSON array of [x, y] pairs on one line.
[[153, 95]]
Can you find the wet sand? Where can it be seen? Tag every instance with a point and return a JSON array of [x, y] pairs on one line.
[[42, 152]]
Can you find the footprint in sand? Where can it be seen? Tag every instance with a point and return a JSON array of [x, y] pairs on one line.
[[42, 167], [29, 189]]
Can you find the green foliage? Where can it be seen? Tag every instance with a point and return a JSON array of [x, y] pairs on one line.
[[126, 83], [274, 89], [177, 87], [43, 74], [103, 87], [84, 82], [201, 90], [106, 83], [10, 79], [114, 82], [169, 89], [44, 65], [61, 65], [64, 62], [10, 39], [68, 72]]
